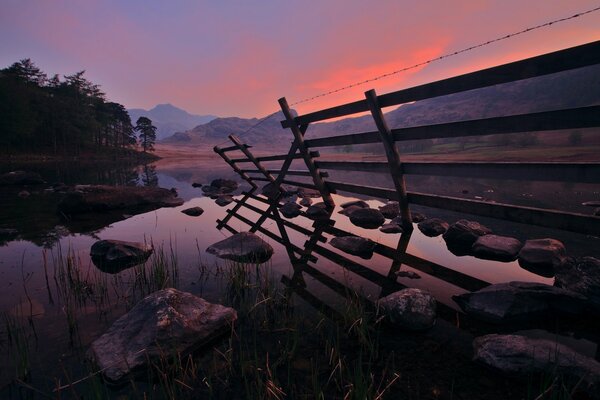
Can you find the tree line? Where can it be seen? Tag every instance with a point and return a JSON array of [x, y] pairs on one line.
[[69, 116]]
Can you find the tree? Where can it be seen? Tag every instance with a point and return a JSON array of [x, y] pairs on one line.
[[147, 133]]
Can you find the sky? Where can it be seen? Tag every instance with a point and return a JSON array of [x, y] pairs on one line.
[[236, 58]]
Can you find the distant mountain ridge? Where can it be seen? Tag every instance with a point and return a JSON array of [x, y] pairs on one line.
[[575, 88], [169, 119]]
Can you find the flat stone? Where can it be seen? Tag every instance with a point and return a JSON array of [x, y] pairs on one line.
[[519, 302], [581, 275], [543, 253], [20, 178], [355, 245], [224, 200], [113, 256], [494, 247], [367, 218], [193, 211], [433, 227], [411, 309], [290, 210], [390, 210], [357, 203], [243, 247], [516, 354], [391, 228], [463, 233], [166, 322], [318, 211]]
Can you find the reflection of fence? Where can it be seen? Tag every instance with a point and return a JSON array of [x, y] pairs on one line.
[[574, 118]]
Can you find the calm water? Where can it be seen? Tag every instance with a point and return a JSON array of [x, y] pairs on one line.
[[30, 260]]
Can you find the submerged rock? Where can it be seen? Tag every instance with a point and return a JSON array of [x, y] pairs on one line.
[[355, 245], [581, 276], [494, 247], [310, 193], [390, 210], [20, 178], [433, 227], [98, 198], [290, 210], [305, 201], [167, 322], [355, 203], [349, 210], [521, 355], [367, 218], [392, 227], [543, 253], [193, 211], [519, 302], [462, 234], [243, 247], [417, 217], [226, 185], [412, 309], [318, 212], [113, 256], [224, 200]]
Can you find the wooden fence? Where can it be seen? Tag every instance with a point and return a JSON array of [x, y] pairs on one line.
[[316, 168]]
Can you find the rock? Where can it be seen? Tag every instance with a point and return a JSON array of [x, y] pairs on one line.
[[23, 194], [408, 274], [355, 245], [113, 256], [462, 234], [581, 276], [417, 217], [290, 210], [494, 247], [226, 185], [543, 253], [20, 178], [318, 211], [412, 309], [591, 204], [94, 198], [433, 227], [355, 203], [196, 185], [390, 210], [193, 212], [166, 322], [211, 190], [243, 247], [525, 356], [224, 200], [519, 302], [349, 210], [367, 218], [391, 228], [310, 193], [270, 191], [305, 201]]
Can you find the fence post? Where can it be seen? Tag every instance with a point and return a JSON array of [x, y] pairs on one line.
[[393, 157], [310, 164], [244, 175]]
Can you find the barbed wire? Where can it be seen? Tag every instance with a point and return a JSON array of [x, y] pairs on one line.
[[422, 63]]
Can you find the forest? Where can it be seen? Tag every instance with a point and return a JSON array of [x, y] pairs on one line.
[[43, 115]]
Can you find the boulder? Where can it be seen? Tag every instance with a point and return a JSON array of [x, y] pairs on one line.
[[367, 218], [20, 178], [433, 227], [495, 247], [411, 309], [390, 210], [98, 198], [356, 203], [392, 227], [113, 256], [318, 211], [193, 211], [542, 253], [516, 354], [519, 302], [167, 322], [224, 200], [417, 217], [355, 245], [462, 234], [245, 247], [581, 275], [290, 210], [225, 185], [211, 190]]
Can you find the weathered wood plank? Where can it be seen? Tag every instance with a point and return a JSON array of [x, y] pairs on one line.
[[288, 172], [562, 60], [574, 118], [279, 157], [232, 148], [236, 141]]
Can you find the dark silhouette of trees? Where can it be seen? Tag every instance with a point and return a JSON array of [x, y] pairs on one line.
[[147, 133], [61, 117]]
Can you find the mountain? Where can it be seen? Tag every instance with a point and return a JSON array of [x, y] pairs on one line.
[[575, 88], [169, 119]]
